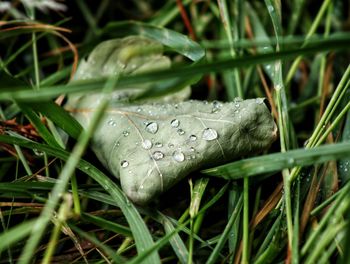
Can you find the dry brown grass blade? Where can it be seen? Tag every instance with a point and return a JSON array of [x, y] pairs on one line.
[[271, 202]]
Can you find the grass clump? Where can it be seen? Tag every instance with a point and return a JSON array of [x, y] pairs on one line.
[[289, 204]]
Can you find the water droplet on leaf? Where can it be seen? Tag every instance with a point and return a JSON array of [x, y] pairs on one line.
[[112, 123], [178, 156], [152, 127], [193, 138], [180, 131], [157, 155], [147, 144], [124, 164], [125, 133], [209, 134], [175, 123]]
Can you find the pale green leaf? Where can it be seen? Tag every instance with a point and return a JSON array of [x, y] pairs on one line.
[[152, 146]]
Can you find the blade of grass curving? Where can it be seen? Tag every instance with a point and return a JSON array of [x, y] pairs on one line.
[[140, 232], [15, 234], [179, 42], [56, 77], [279, 161], [213, 258], [59, 116], [176, 242], [38, 124], [106, 224], [49, 92]]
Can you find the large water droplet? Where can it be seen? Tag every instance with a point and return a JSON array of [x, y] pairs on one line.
[[209, 134], [178, 156], [180, 131], [147, 144], [124, 164], [152, 127], [157, 155], [216, 107], [112, 123], [175, 123], [126, 133], [192, 138]]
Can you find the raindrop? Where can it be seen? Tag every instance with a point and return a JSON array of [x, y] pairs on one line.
[[125, 133], [141, 187], [237, 105], [180, 131], [158, 145], [175, 123], [139, 109], [178, 156], [38, 152], [170, 145], [259, 100], [157, 155], [193, 138], [209, 134], [270, 8], [147, 144], [152, 127], [124, 164], [112, 123], [216, 107], [291, 161], [192, 149]]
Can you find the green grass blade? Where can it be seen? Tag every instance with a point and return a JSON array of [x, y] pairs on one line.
[[278, 161], [15, 234], [213, 258], [179, 42], [38, 124], [49, 92], [60, 117], [106, 224]]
